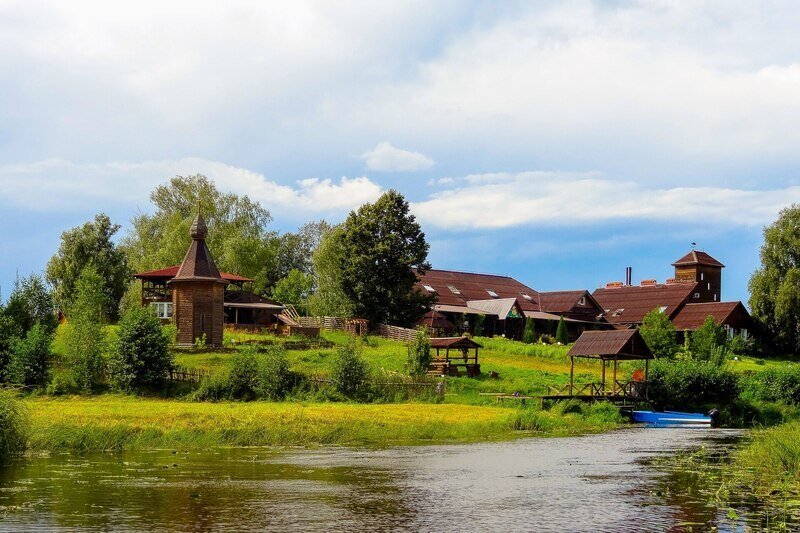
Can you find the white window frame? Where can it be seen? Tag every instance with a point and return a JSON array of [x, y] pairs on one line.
[[582, 301], [163, 309]]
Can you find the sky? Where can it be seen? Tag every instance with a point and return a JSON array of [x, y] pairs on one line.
[[556, 142]]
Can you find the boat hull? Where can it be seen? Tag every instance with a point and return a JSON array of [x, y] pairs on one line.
[[671, 419]]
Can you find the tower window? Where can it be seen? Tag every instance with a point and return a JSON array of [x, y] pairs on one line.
[[702, 276]]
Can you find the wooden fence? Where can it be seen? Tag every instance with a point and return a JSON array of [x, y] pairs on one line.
[[396, 333], [193, 375], [327, 323], [332, 323]]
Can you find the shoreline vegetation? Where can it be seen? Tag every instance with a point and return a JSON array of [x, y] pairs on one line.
[[115, 422]]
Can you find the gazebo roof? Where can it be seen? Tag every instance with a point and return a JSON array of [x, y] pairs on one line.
[[453, 342], [434, 319], [612, 344]]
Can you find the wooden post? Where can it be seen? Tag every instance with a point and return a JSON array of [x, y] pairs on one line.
[[646, 369], [614, 385], [571, 372], [603, 381]]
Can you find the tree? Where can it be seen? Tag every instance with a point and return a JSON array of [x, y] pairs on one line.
[[705, 342], [775, 286], [142, 356], [9, 333], [382, 246], [562, 335], [295, 288], [329, 298], [659, 334], [85, 338], [31, 303], [90, 244], [30, 357], [349, 371], [238, 230], [529, 334], [419, 353]]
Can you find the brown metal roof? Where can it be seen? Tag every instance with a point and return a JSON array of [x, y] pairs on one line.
[[612, 344], [628, 304], [170, 272], [453, 342], [471, 286], [697, 258], [692, 316], [197, 263]]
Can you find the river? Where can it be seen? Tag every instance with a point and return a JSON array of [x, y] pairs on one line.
[[592, 483]]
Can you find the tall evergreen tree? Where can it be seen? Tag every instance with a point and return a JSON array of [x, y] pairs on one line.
[[562, 335], [382, 246]]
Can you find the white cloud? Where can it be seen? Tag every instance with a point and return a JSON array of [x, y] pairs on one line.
[[61, 185], [496, 201], [387, 158]]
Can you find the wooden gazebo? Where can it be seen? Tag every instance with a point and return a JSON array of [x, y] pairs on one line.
[[437, 323], [614, 345], [453, 353]]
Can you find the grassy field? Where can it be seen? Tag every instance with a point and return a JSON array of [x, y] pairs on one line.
[[111, 422]]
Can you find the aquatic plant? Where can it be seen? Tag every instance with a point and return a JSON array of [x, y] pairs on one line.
[[13, 426]]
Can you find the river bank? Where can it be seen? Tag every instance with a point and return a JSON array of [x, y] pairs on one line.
[[116, 422]]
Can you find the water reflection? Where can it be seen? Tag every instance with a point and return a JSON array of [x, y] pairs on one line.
[[591, 483]]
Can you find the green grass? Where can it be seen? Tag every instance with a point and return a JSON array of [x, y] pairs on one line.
[[112, 422], [769, 465]]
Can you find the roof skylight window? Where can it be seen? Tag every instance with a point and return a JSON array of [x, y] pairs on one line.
[[492, 293], [429, 288], [454, 290]]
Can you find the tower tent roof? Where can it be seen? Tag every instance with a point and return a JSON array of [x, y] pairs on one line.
[[197, 263], [697, 258]]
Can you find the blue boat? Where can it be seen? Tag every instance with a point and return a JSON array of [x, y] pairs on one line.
[[672, 419]]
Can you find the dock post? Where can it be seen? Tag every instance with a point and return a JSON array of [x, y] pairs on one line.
[[571, 373]]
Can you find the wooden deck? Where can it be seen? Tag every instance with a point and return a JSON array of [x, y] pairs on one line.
[[620, 392]]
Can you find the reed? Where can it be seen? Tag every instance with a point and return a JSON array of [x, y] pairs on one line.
[[119, 422]]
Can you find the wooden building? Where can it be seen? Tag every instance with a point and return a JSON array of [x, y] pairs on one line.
[[198, 292], [692, 295], [503, 304]]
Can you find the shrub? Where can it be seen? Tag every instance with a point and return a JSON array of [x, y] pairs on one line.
[[561, 332], [9, 332], [213, 388], [774, 385], [529, 334], [349, 372], [419, 353], [85, 341], [478, 329], [62, 382], [659, 334], [706, 339], [142, 356], [13, 426], [30, 357], [689, 384], [244, 374], [275, 380]]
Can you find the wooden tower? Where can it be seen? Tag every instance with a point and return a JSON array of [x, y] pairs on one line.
[[701, 268], [198, 292]]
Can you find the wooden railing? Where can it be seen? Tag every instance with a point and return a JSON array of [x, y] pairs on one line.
[[619, 389], [193, 375]]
